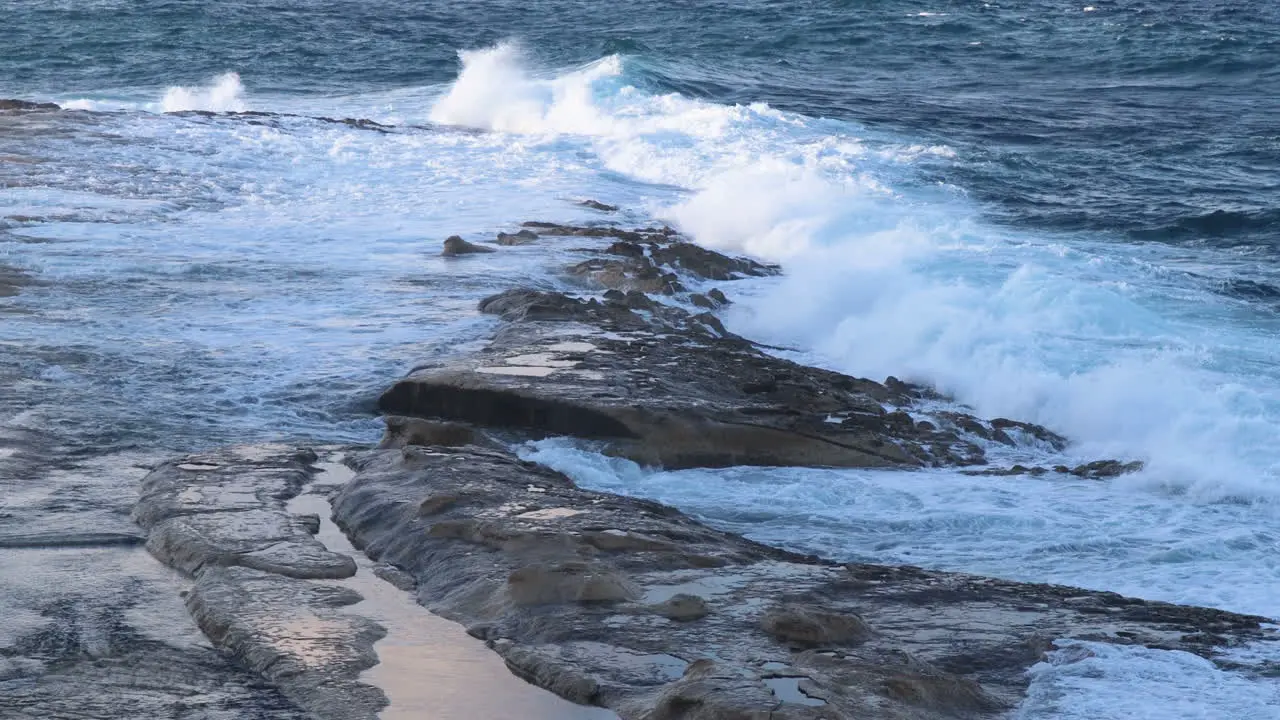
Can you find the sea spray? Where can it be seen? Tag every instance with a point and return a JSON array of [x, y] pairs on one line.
[[224, 94]]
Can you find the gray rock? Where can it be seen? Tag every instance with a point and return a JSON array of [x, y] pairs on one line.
[[628, 275], [601, 231], [1096, 470], [403, 431], [523, 237], [209, 511], [814, 628], [221, 518], [627, 623], [683, 607], [597, 205], [663, 387], [455, 246], [25, 105], [290, 632], [653, 263]]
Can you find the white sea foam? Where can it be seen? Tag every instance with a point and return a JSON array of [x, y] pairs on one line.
[[224, 94], [1097, 681], [889, 275]]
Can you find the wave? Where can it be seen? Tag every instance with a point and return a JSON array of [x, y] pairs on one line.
[[224, 94], [1217, 225], [888, 273]]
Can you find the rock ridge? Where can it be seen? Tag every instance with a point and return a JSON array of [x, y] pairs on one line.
[[634, 606]]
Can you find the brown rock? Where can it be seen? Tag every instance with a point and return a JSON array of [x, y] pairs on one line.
[[683, 607], [405, 431], [436, 504], [455, 246], [523, 237], [567, 582], [813, 627]]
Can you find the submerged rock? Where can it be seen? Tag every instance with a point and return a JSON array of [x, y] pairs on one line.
[[12, 280], [204, 511], [523, 237], [601, 231], [634, 606], [663, 387], [597, 205], [1096, 470], [454, 246]]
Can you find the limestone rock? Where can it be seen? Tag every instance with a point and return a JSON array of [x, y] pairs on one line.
[[221, 518]]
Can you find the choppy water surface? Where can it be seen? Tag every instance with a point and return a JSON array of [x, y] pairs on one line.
[[1062, 213]]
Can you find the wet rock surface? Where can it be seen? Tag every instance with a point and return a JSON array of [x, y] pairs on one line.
[[1096, 470], [523, 237], [455, 246], [91, 627], [663, 386], [653, 261], [292, 633], [11, 105], [632, 605], [551, 229], [208, 511], [221, 518]]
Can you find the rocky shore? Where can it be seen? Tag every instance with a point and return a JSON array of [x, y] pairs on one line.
[[613, 601]]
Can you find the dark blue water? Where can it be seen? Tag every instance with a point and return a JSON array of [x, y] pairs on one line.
[[1152, 120]]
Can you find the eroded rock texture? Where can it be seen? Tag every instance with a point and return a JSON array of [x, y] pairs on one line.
[[632, 605], [221, 518], [666, 387]]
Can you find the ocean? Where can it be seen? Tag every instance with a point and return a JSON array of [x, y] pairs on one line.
[[1065, 213]]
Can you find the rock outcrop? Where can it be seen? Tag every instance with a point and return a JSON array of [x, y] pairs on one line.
[[455, 246], [523, 237], [632, 605], [662, 386], [9, 104], [652, 261], [202, 512], [221, 518]]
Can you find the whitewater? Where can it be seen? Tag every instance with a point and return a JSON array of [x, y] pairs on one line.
[[229, 266]]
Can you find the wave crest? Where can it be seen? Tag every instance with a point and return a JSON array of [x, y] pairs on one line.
[[494, 91], [224, 93]]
